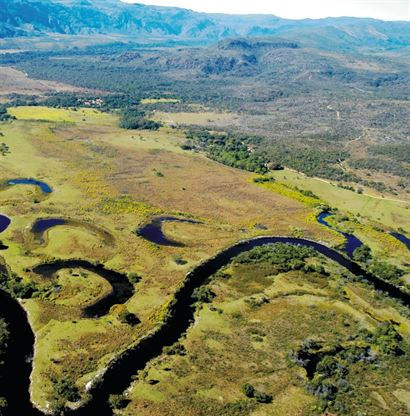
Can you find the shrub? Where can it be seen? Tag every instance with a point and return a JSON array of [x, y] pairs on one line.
[[128, 318], [117, 401], [175, 349], [262, 397], [248, 390], [134, 278], [362, 253], [264, 179], [66, 389], [203, 294]]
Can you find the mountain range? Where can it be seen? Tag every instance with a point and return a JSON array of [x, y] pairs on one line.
[[142, 23]]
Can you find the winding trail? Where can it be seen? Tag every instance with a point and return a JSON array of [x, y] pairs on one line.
[[118, 375]]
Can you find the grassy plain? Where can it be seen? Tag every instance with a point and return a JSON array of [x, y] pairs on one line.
[[159, 100], [389, 212], [247, 334], [109, 177], [202, 118], [13, 81], [117, 180]]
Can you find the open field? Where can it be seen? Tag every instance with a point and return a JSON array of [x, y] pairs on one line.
[[247, 334], [16, 82], [391, 213], [159, 100], [119, 179], [107, 176], [196, 118]]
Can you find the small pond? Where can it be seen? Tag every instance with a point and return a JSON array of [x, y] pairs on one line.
[[153, 231], [42, 225], [4, 222], [29, 181]]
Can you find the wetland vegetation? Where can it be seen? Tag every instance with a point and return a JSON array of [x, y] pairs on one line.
[[211, 230], [69, 303]]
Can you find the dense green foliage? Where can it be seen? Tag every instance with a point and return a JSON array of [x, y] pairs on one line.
[[313, 162], [284, 257], [203, 294], [65, 388], [329, 366], [388, 272], [362, 254], [133, 119], [16, 286], [232, 150]]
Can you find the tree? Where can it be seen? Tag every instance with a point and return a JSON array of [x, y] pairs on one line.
[[129, 318], [248, 390], [387, 272], [203, 294], [362, 254], [66, 389], [4, 149], [117, 401], [133, 119]]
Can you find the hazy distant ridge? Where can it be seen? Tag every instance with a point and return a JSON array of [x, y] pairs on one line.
[[26, 18]]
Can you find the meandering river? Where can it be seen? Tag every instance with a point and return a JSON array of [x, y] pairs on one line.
[[118, 375], [352, 242]]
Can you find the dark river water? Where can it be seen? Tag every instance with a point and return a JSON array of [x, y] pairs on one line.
[[4, 222], [122, 289], [42, 225], [352, 242], [119, 373], [153, 231], [402, 238]]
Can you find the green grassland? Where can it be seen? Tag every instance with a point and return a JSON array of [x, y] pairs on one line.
[[108, 177], [159, 100], [247, 333], [390, 212], [202, 118]]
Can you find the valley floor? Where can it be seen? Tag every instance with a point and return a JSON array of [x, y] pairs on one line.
[[116, 180]]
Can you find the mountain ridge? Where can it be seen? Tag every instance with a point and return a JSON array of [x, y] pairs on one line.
[[139, 22]]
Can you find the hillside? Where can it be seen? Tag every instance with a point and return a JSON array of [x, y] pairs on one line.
[[147, 24]]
